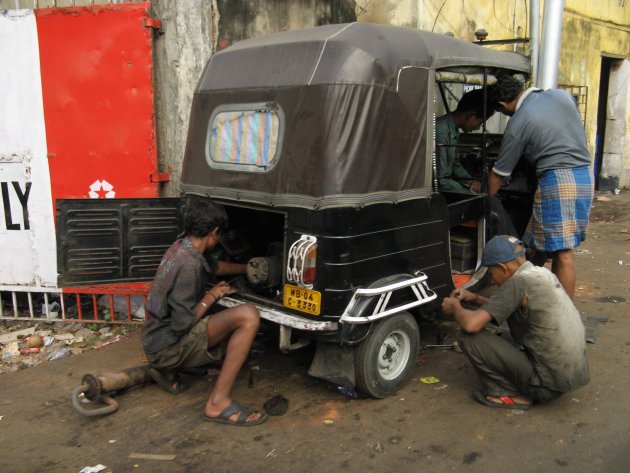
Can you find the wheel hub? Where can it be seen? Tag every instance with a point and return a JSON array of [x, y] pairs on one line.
[[393, 354]]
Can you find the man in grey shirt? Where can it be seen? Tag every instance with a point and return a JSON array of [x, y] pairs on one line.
[[546, 130], [549, 357]]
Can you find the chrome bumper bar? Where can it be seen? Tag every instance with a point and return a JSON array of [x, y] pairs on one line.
[[283, 318]]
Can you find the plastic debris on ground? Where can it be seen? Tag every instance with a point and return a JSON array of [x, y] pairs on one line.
[[152, 456], [350, 392], [136, 304], [23, 346], [28, 351], [63, 352], [429, 380], [93, 469], [10, 350]]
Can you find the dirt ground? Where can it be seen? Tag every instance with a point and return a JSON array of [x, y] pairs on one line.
[[425, 427]]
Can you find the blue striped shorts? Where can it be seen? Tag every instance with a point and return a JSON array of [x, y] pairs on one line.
[[562, 204]]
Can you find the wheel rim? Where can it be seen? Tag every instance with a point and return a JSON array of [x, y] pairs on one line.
[[393, 355]]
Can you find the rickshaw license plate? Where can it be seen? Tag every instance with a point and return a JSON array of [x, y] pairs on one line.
[[304, 300]]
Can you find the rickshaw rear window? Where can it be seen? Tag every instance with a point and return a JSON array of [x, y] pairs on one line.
[[244, 137]]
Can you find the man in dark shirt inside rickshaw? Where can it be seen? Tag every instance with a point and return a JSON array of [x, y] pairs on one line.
[[468, 116], [176, 335]]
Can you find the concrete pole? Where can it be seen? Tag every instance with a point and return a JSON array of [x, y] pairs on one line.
[[550, 47], [534, 38]]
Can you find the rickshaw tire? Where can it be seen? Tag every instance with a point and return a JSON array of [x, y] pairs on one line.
[[372, 356]]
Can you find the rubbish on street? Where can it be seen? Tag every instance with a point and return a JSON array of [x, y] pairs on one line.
[[64, 337], [63, 352], [276, 405], [119, 303], [151, 456], [10, 350], [56, 341], [35, 341], [93, 469], [350, 392], [429, 380], [52, 309], [28, 351]]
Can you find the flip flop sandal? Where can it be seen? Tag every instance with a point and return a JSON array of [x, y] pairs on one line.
[[171, 387], [241, 421], [506, 402], [276, 405]]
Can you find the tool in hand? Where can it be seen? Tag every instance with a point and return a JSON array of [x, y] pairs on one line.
[[450, 346]]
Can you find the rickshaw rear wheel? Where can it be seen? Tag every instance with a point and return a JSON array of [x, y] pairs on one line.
[[385, 360]]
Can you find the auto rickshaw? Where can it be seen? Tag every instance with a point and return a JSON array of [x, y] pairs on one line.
[[320, 144]]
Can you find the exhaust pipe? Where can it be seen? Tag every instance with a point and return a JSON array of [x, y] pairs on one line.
[[97, 388]]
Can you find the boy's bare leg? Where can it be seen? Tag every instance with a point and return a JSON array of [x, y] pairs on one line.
[[240, 324], [562, 266]]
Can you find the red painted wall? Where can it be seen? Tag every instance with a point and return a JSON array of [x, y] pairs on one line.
[[96, 67]]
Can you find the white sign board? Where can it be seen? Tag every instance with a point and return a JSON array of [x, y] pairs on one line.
[[27, 234]]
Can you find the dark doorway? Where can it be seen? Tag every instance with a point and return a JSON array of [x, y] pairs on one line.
[[607, 157]]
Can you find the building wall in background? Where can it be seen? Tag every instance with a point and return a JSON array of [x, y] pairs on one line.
[[590, 30], [585, 40]]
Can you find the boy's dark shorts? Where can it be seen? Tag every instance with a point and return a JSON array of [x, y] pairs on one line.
[[190, 352]]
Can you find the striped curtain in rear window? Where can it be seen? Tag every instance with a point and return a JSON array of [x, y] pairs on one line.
[[247, 138]]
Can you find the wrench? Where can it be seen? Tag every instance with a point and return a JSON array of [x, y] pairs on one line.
[[451, 346]]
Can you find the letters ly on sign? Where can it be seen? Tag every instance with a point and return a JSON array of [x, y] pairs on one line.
[[15, 216]]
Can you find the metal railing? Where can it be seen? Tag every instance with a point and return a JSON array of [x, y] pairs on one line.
[[77, 305]]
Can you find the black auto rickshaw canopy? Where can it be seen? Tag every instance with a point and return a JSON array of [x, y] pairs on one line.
[[336, 115]]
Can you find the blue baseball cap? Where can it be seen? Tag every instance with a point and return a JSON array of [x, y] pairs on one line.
[[501, 249]]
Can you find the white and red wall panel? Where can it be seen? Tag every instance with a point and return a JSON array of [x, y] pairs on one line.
[[76, 121]]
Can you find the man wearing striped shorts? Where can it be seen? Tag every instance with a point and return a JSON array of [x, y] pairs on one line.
[[546, 129]]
